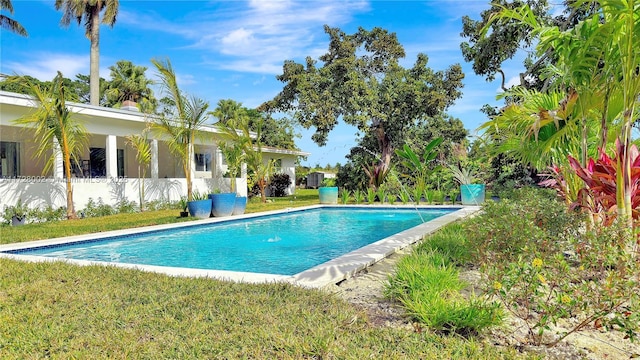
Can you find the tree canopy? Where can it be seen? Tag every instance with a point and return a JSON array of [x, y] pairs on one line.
[[360, 81]]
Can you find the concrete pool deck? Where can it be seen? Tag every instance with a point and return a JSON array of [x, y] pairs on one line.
[[330, 272]]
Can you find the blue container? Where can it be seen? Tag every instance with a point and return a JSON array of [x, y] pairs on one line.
[[200, 208], [328, 195], [222, 204], [240, 206], [472, 194]]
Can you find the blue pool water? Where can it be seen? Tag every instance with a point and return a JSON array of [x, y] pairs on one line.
[[283, 244]]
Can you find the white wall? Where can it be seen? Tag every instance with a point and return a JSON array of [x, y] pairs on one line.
[[38, 191]]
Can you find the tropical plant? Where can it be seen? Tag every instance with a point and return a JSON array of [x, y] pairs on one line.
[[463, 175], [7, 22], [128, 82], [601, 180], [382, 194], [421, 168], [279, 183], [344, 196], [19, 211], [328, 182], [140, 142], [371, 195], [189, 116], [56, 131], [236, 142], [88, 11], [358, 196]]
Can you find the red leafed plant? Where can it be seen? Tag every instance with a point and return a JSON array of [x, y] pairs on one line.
[[600, 178]]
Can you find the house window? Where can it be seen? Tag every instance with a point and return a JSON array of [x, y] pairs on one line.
[[203, 161], [98, 162], [9, 159], [277, 166]]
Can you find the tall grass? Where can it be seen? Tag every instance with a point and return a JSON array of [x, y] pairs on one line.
[[427, 284]]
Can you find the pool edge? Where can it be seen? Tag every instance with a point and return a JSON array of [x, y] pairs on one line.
[[330, 272]]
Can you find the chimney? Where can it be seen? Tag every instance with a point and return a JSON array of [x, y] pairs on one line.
[[129, 106]]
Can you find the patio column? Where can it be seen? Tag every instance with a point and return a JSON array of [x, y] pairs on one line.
[[154, 159], [111, 157], [58, 167]]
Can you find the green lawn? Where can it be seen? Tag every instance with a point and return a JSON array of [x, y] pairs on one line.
[[59, 310]]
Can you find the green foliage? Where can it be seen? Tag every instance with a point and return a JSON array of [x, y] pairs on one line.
[[328, 182], [52, 121], [417, 194], [344, 196], [47, 214], [371, 196], [97, 208], [279, 183], [381, 194], [187, 116], [19, 210], [420, 167], [7, 23], [427, 284], [544, 264], [404, 197], [358, 196], [128, 82]]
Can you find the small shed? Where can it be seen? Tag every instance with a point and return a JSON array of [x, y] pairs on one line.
[[314, 179]]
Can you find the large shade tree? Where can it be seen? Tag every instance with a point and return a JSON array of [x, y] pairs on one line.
[[88, 11], [57, 132], [8, 23], [360, 81]]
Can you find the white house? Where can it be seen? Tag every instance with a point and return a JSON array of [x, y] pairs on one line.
[[108, 168]]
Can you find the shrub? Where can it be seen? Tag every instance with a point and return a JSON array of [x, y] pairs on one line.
[[99, 208], [279, 183], [48, 213], [543, 264]]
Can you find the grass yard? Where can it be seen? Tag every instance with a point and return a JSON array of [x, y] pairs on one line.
[[62, 311]]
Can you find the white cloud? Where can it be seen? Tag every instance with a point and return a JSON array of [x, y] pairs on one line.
[[256, 36], [44, 65]]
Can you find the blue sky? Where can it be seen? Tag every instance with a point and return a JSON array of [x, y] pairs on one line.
[[234, 49]]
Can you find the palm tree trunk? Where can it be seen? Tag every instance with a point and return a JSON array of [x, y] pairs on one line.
[[94, 72], [71, 212]]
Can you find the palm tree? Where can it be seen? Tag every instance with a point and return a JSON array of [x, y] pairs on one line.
[[227, 110], [128, 82], [89, 12], [140, 142], [190, 115], [7, 22], [236, 141], [52, 122]]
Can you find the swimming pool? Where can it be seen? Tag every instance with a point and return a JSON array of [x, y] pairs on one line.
[[298, 244]]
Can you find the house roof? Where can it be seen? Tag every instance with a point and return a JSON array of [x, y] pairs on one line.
[[15, 104], [274, 150]]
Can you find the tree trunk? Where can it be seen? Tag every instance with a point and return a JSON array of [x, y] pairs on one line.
[[262, 184], [71, 212], [94, 72]]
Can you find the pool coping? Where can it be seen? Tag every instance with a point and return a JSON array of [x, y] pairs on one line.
[[330, 272]]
